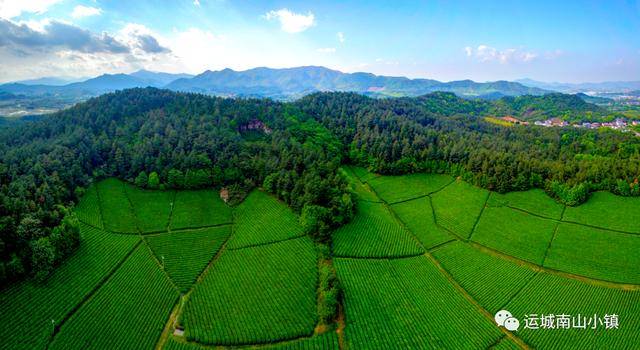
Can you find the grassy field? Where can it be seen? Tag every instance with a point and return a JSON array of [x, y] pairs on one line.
[[255, 295], [185, 254], [374, 232], [400, 188], [260, 289], [192, 209], [417, 215], [535, 201], [263, 219], [359, 188], [596, 253], [408, 304], [128, 312], [88, 210], [515, 233], [26, 309], [505, 344], [152, 208], [458, 206], [117, 213], [490, 280], [362, 173], [326, 341], [606, 210], [548, 294]]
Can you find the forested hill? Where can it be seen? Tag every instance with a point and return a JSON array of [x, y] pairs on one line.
[[527, 107], [182, 140], [162, 139], [442, 133]]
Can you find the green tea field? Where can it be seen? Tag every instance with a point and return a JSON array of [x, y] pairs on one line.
[[425, 263]]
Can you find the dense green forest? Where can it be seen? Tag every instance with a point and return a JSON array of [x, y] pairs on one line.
[[179, 140], [161, 139], [442, 133]]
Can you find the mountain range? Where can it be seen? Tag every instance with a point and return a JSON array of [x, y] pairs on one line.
[[281, 84], [617, 87], [289, 83]]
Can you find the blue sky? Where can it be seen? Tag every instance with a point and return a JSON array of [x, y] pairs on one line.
[[569, 41]]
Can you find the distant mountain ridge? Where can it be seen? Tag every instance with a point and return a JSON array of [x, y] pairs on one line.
[[289, 83], [94, 86], [281, 84], [607, 86]]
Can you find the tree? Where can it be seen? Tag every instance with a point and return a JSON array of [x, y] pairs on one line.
[[66, 236], [142, 179], [14, 267], [175, 179], [42, 257], [197, 178], [154, 181], [269, 183], [30, 229], [314, 220]]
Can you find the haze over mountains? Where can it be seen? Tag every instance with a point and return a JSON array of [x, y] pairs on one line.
[[602, 87], [282, 84], [46, 95]]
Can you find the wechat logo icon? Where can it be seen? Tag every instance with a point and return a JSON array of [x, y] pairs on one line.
[[504, 319]]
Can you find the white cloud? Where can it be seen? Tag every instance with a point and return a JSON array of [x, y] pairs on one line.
[[197, 49], [85, 11], [14, 8], [54, 48], [341, 37], [196, 2], [292, 22], [141, 40], [485, 53], [326, 50]]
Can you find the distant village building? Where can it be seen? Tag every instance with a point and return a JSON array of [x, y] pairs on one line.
[[552, 122], [618, 124], [558, 122]]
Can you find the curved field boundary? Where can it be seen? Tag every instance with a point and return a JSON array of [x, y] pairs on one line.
[[89, 295], [168, 341], [378, 258], [323, 341], [475, 224], [155, 233], [98, 195], [574, 222], [553, 237], [88, 209], [454, 283], [591, 280], [519, 209], [243, 301], [174, 317], [423, 195], [137, 297], [267, 243], [537, 268], [173, 206], [374, 232]]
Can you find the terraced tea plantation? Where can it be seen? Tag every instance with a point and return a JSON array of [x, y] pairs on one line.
[[425, 263]]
